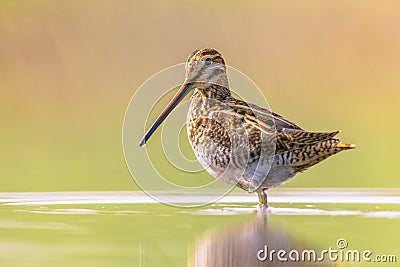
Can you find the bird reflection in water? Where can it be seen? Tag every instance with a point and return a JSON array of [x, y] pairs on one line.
[[250, 244]]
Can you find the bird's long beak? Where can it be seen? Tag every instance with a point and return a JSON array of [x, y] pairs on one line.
[[183, 91]]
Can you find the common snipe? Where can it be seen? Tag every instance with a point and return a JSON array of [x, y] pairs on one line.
[[238, 142]]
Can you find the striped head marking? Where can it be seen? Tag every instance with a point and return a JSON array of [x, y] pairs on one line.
[[205, 69], [206, 66]]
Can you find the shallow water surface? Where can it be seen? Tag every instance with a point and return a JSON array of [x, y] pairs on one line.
[[131, 229]]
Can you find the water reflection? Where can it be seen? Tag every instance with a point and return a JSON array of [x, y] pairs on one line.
[[245, 244]]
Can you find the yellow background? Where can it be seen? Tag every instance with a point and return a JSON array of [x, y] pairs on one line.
[[69, 68]]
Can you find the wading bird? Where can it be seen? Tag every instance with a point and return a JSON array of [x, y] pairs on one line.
[[238, 142]]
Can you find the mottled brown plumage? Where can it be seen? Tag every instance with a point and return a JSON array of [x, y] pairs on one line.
[[238, 142]]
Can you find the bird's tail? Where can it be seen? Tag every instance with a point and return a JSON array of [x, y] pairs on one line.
[[343, 145], [309, 155]]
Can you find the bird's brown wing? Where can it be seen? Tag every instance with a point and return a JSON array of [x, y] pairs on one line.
[[261, 116], [289, 135]]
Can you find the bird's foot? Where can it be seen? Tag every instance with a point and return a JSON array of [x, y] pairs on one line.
[[264, 209], [263, 206]]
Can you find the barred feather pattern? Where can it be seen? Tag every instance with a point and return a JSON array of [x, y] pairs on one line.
[[244, 144], [215, 121]]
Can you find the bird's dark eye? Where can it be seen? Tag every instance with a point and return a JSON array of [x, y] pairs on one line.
[[208, 61]]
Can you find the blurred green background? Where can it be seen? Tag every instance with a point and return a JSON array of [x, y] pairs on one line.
[[69, 68]]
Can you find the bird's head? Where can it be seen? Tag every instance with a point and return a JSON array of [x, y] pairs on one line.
[[206, 66], [205, 69]]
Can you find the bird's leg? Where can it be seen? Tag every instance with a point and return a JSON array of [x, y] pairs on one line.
[[262, 199]]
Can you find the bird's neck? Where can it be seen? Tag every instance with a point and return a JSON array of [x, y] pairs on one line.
[[214, 91]]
